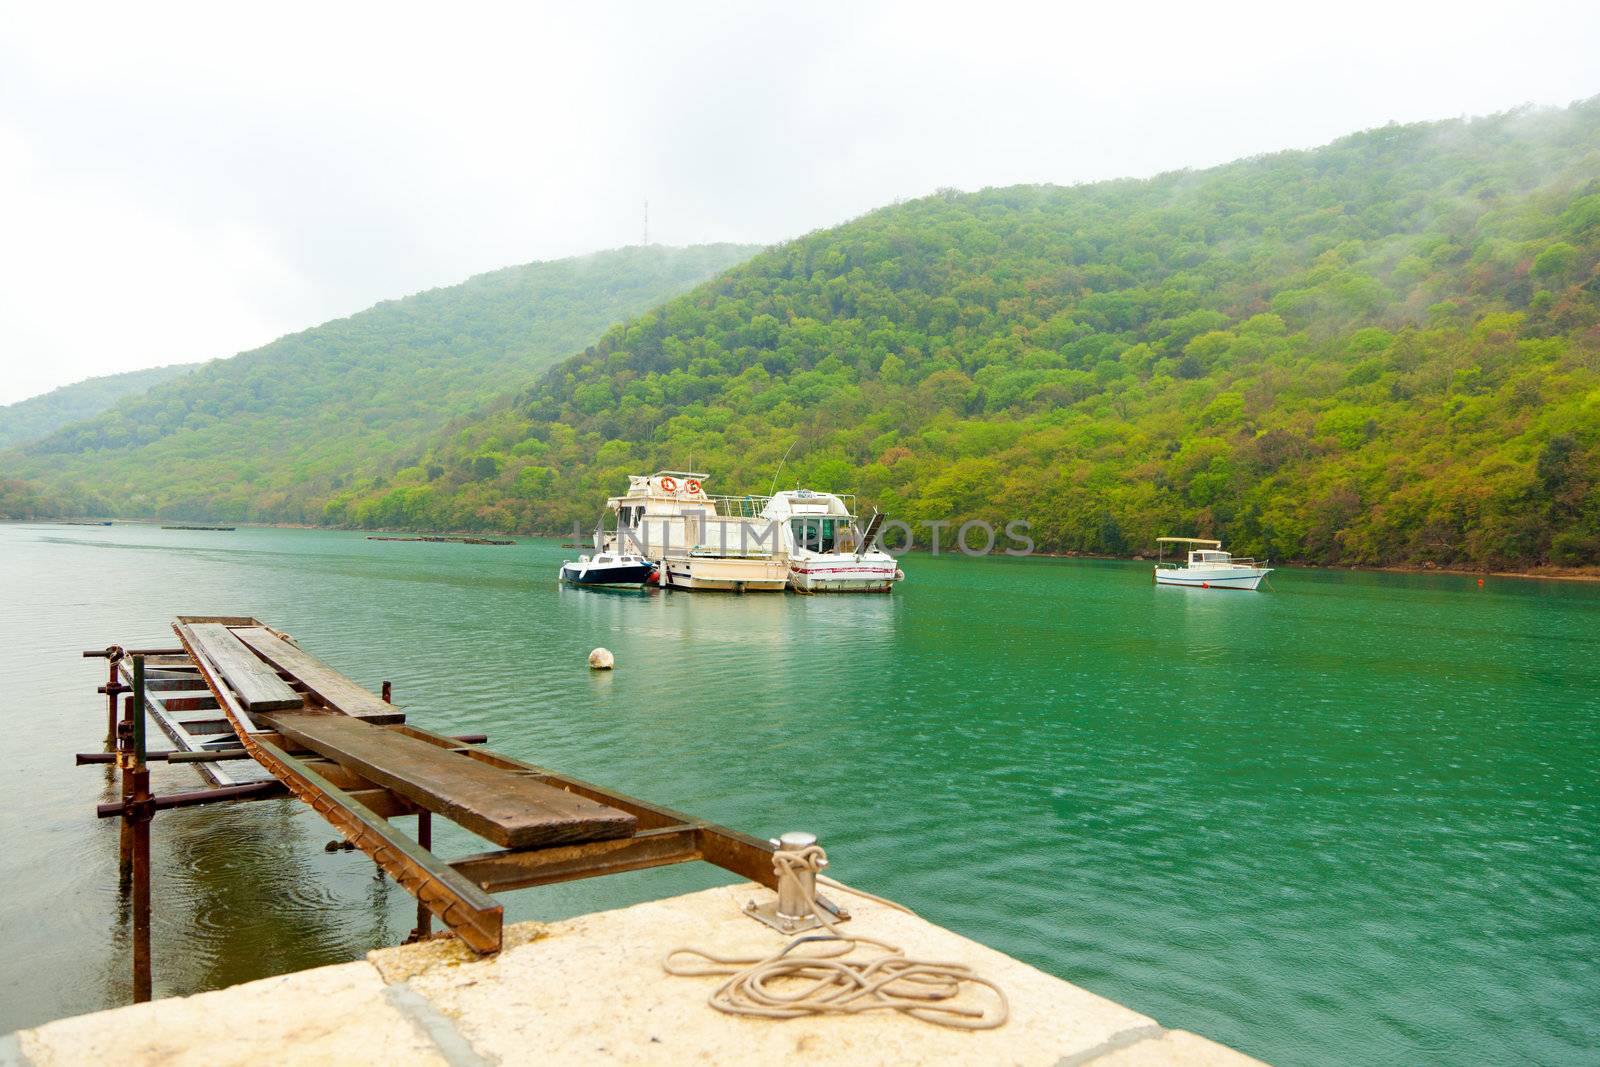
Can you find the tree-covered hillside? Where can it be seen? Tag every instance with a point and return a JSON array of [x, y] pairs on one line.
[[38, 416], [1383, 350], [271, 434]]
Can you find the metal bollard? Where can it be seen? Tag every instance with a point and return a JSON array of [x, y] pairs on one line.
[[794, 898], [793, 911]]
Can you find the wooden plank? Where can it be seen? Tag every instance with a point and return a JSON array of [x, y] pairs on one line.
[[331, 687], [507, 807], [257, 684]]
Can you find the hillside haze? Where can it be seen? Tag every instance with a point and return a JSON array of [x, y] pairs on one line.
[[271, 434], [39, 416], [1383, 350]]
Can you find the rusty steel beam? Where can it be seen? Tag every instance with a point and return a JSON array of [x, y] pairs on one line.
[[168, 755], [136, 816], [474, 915], [424, 839], [496, 872], [380, 801], [191, 797], [665, 836], [744, 855]]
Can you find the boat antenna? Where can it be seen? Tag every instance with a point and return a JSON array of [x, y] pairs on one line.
[[781, 462]]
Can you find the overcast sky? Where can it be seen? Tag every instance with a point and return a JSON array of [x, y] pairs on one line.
[[183, 183]]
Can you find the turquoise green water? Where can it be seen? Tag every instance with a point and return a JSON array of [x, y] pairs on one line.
[[1351, 820]]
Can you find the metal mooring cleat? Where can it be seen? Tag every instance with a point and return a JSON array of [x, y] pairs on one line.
[[797, 905]]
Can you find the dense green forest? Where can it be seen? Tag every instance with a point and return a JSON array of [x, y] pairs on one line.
[[270, 435], [1383, 350], [38, 416]]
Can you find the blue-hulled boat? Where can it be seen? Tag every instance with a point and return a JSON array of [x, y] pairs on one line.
[[608, 568]]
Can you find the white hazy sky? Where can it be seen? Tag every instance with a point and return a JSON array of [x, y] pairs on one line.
[[179, 183]]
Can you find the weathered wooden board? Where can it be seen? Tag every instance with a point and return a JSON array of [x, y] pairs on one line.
[[503, 805], [333, 688], [257, 684]]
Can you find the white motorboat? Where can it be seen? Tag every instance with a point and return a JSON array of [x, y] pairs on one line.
[[826, 550], [697, 541], [726, 569], [797, 539], [608, 568], [662, 514], [1208, 567]]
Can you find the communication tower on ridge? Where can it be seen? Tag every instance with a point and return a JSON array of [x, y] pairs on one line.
[[647, 220]]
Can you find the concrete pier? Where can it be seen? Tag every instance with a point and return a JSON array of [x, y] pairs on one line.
[[591, 989]]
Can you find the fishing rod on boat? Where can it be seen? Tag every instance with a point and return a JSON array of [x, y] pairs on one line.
[[781, 462]]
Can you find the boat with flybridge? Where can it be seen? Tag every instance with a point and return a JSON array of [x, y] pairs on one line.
[[799, 539], [1208, 566], [828, 552]]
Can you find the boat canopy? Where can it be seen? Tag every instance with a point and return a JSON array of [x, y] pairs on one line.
[[797, 502], [1191, 541], [676, 484]]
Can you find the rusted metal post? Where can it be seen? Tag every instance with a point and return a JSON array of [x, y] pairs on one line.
[[114, 689], [125, 765], [425, 839], [139, 814]]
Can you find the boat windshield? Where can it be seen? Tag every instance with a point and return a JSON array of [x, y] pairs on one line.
[[821, 534]]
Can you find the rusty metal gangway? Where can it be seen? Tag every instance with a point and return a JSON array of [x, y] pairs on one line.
[[350, 754]]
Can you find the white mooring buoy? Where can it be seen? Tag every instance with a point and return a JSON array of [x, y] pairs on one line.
[[601, 659]]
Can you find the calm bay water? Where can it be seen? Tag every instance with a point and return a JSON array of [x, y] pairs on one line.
[[1354, 819]]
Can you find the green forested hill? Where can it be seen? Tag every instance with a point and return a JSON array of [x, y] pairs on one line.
[[1383, 350], [270, 434], [38, 416]]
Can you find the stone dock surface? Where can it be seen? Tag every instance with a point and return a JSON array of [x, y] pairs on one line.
[[591, 990]]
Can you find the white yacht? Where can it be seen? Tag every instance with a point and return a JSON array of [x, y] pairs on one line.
[[1208, 567], [826, 551], [698, 541], [797, 539]]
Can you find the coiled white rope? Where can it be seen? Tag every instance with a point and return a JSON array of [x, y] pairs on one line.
[[789, 984]]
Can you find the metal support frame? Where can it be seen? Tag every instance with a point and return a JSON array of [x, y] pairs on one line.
[[472, 913], [664, 837], [137, 813], [456, 891]]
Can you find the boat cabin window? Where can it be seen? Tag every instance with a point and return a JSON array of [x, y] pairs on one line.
[[629, 516], [820, 534]]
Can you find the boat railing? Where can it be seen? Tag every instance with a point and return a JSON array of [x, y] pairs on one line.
[[740, 507], [1231, 561], [730, 552]]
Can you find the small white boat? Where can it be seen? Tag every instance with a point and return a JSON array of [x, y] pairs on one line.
[[1208, 567], [608, 568]]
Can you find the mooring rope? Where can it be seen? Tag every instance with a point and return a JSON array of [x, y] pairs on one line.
[[789, 985]]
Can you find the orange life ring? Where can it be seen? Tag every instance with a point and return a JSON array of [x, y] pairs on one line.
[[693, 485], [669, 485]]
